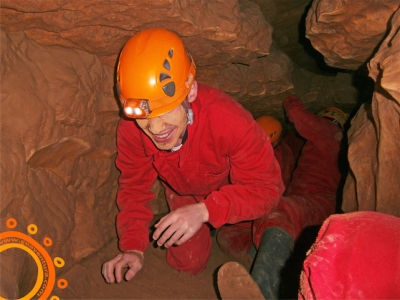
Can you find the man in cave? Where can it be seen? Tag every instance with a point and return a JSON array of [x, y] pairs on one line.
[[216, 163]]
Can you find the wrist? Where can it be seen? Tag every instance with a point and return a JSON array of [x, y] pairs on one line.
[[136, 251], [205, 213]]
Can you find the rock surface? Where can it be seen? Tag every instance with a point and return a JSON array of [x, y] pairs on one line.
[[348, 32], [288, 17], [229, 40], [58, 120], [215, 32], [372, 183]]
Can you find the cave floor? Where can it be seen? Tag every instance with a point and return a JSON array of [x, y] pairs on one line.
[[157, 280]]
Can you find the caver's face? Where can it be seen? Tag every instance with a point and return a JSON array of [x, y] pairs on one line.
[[167, 130]]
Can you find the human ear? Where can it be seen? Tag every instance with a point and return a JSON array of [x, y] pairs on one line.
[[193, 92]]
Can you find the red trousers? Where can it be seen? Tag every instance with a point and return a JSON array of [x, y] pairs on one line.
[[310, 196], [191, 256], [356, 256]]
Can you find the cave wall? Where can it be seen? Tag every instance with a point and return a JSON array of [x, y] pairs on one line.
[[372, 183], [351, 35], [58, 121], [59, 112]]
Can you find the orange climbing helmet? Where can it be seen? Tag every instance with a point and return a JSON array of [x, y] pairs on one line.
[[338, 116], [271, 126], [154, 73]]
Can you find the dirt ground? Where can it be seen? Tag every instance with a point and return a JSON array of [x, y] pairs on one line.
[[157, 280]]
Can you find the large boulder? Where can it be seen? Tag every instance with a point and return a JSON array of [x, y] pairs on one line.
[[348, 32]]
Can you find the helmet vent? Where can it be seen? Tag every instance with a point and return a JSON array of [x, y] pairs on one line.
[[166, 65], [171, 53], [164, 76], [169, 89]]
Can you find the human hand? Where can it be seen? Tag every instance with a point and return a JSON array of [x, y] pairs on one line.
[[112, 270], [180, 225]]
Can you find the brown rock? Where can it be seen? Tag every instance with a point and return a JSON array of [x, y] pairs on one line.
[[58, 140], [287, 17], [259, 86], [218, 34], [214, 31], [347, 33], [374, 146]]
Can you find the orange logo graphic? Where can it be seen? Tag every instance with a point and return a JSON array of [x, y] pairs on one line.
[[46, 277]]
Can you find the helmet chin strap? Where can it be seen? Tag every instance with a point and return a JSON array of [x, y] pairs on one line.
[[189, 112], [190, 116], [190, 119]]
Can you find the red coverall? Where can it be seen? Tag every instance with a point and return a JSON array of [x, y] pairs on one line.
[[356, 256], [310, 197], [227, 162]]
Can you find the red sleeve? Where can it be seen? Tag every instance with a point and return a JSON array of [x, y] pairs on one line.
[[309, 125], [135, 181], [255, 176]]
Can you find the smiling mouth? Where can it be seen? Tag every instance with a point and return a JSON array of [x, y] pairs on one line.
[[163, 137]]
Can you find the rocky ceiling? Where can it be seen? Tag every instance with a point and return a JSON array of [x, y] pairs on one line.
[[247, 48], [59, 111]]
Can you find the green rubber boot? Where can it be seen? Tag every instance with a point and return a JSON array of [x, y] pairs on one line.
[[274, 250]]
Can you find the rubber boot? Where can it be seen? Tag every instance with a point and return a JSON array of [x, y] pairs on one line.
[[274, 250]]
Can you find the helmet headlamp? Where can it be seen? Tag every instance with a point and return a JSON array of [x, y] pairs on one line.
[[136, 108]]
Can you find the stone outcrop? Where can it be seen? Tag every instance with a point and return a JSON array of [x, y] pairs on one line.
[[373, 180], [348, 32], [58, 120]]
